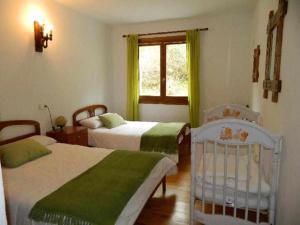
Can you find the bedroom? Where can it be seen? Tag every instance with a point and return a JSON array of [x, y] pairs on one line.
[[85, 64]]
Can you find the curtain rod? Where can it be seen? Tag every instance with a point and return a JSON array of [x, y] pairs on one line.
[[167, 32]]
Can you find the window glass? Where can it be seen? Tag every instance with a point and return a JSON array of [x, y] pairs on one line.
[[149, 70], [176, 70]]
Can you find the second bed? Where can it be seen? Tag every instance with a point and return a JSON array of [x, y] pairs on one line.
[[127, 136]]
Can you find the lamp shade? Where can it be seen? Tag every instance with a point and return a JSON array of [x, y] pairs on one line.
[[60, 121]]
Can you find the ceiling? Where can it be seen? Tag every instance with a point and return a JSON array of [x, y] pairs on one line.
[[132, 11]]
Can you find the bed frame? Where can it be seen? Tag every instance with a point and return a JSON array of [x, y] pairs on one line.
[[37, 131], [233, 133], [90, 111], [10, 123], [234, 111]]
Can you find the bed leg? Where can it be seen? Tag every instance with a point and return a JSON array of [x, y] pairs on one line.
[[164, 185]]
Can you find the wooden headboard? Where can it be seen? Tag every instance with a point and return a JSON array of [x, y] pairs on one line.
[[90, 112], [35, 124]]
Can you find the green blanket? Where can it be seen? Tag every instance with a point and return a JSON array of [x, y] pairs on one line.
[[161, 138], [97, 196]]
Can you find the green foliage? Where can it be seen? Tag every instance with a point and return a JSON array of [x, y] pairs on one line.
[[149, 60], [176, 70], [176, 74]]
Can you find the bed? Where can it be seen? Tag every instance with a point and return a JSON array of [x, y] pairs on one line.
[[127, 136], [230, 183], [30, 183]]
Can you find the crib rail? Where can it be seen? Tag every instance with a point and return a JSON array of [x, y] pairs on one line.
[[231, 111], [228, 173]]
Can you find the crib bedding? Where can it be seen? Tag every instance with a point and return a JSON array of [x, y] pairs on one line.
[[27, 184], [127, 136], [230, 181], [230, 192], [242, 173], [241, 197]]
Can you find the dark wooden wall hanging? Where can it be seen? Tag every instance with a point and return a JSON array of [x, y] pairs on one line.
[[255, 74], [272, 80], [41, 38]]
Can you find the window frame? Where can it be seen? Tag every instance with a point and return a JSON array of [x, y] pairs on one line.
[[163, 98]]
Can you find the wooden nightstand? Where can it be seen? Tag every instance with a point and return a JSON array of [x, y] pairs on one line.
[[70, 135]]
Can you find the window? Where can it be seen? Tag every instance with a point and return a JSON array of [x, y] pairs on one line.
[[162, 70]]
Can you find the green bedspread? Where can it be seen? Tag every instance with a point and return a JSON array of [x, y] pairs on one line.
[[161, 138], [97, 196]]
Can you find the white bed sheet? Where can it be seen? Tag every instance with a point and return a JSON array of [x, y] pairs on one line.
[[27, 184], [127, 136]]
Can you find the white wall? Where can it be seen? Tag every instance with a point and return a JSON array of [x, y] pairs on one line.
[[72, 72], [225, 64], [283, 117]]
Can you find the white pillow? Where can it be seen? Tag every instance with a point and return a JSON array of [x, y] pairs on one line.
[[92, 123], [44, 140]]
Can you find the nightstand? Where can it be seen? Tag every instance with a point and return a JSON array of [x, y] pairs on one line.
[[70, 135]]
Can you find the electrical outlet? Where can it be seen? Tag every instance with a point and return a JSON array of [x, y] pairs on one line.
[[42, 106]]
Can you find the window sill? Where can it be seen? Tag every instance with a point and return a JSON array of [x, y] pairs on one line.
[[163, 100]]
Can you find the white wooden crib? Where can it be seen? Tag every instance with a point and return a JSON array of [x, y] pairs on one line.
[[234, 111], [230, 184]]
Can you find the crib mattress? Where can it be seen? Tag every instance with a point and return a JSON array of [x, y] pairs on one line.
[[241, 197], [230, 181]]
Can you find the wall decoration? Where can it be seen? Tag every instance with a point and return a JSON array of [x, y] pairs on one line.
[[42, 34], [272, 80], [255, 74]]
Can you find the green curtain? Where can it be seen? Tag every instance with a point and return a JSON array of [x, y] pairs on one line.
[[132, 78], [193, 52]]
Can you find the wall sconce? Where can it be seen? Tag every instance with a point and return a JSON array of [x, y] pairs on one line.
[[42, 34]]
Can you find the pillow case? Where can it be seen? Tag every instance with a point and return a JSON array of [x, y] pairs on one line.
[[92, 123], [43, 140], [111, 120], [21, 152]]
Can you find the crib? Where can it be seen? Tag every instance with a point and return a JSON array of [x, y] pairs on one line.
[[234, 111], [230, 184]]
